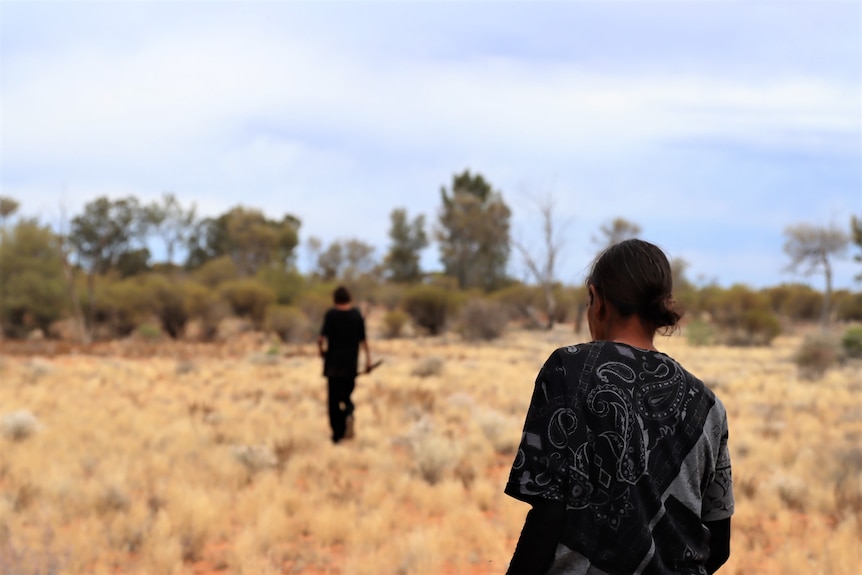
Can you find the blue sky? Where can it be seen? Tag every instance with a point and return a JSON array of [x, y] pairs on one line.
[[711, 124]]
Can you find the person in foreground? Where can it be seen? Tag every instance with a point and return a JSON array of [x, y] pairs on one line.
[[624, 454], [341, 335]]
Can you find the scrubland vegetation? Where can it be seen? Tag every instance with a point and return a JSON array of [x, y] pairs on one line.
[[162, 418], [141, 457]]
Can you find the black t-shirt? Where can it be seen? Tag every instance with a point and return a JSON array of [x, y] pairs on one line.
[[344, 330]]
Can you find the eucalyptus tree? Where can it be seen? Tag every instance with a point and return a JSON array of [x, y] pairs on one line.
[[473, 233], [346, 260], [248, 237], [103, 234], [811, 249], [173, 223], [407, 240], [615, 231]]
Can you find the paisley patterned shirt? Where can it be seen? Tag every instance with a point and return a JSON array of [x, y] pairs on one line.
[[636, 448]]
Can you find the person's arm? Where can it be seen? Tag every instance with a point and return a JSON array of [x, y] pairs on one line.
[[320, 347], [537, 545], [719, 544], [367, 350]]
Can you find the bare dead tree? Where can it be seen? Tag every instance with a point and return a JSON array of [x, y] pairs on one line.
[[542, 263]]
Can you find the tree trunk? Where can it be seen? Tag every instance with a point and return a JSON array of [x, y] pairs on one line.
[[83, 332], [826, 312], [550, 305]]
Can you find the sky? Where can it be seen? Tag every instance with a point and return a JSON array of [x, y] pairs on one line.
[[713, 125]]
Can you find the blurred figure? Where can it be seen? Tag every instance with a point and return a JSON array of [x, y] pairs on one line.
[[341, 335], [624, 454]]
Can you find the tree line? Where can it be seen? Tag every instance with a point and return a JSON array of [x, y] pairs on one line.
[[99, 272]]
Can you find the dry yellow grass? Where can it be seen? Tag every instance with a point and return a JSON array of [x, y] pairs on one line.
[[199, 459]]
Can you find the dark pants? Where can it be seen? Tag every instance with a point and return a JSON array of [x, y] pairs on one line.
[[340, 405]]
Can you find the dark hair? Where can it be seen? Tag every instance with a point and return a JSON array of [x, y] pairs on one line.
[[635, 277], [341, 295]]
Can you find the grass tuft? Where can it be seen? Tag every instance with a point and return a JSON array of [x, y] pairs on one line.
[[19, 425]]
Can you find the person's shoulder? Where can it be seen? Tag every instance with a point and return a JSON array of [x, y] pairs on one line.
[[697, 383], [575, 352]]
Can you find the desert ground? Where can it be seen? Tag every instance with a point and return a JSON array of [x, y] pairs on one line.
[[138, 457]]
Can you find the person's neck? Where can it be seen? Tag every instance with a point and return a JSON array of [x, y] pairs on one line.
[[631, 331], [343, 306]]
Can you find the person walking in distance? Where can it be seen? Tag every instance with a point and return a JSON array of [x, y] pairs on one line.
[[341, 336], [624, 454]]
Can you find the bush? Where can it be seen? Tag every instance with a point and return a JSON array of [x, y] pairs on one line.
[[699, 332], [848, 306], [816, 355], [742, 315], [388, 295], [206, 307], [431, 365], [434, 456], [482, 320], [248, 298], [286, 284], [31, 279], [149, 332], [19, 425], [216, 272], [393, 323], [851, 342], [762, 326], [430, 307], [314, 305], [521, 302], [795, 301], [289, 323], [166, 298], [121, 306]]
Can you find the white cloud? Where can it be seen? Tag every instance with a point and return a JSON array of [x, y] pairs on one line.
[[226, 110]]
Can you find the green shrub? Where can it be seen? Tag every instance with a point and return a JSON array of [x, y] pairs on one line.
[[388, 295], [569, 301], [481, 319], [848, 306], [286, 284], [32, 286], [394, 322], [851, 342], [248, 298], [795, 301], [119, 307], [817, 354], [289, 323], [761, 325], [216, 272], [699, 332], [149, 332], [205, 306], [521, 303], [165, 297], [430, 307], [314, 305]]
